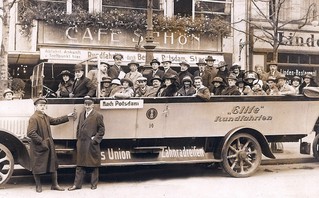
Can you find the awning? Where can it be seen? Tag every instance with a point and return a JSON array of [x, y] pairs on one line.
[[26, 58]]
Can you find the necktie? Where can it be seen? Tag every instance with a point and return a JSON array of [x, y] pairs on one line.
[[75, 83]]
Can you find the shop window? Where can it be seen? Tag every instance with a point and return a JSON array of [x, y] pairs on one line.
[[78, 5], [183, 8], [210, 7], [304, 59], [284, 9], [57, 5], [283, 58], [127, 5], [314, 59], [293, 58]]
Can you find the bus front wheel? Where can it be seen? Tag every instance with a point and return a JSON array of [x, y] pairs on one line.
[[241, 155], [315, 147], [6, 164]]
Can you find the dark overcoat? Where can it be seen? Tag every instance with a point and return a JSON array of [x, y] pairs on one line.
[[182, 91], [232, 90], [150, 75], [89, 135], [206, 77], [43, 156], [65, 88], [83, 87], [170, 90], [114, 71], [182, 74]]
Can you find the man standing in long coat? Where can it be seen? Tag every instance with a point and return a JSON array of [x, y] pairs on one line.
[[90, 131], [43, 156]]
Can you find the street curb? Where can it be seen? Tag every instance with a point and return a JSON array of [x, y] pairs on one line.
[[288, 161]]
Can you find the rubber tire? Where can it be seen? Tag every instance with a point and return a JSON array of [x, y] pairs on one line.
[[315, 147], [6, 159], [229, 157]]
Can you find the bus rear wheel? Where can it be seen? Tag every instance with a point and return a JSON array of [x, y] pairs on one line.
[[6, 164], [241, 155], [315, 147]]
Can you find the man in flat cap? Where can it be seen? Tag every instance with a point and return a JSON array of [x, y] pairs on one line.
[[43, 156], [116, 71], [143, 90], [89, 133]]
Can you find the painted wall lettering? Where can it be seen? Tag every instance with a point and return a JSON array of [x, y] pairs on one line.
[[244, 113]]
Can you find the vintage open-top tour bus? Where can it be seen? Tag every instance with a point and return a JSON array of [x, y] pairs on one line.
[[232, 130]]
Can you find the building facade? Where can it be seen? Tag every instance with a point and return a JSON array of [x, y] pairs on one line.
[[63, 45], [293, 24]]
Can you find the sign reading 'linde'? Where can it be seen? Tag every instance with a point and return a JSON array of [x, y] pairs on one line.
[[307, 41]]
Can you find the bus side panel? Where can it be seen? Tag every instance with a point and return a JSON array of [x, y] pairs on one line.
[[218, 118], [119, 123], [151, 121], [66, 130]]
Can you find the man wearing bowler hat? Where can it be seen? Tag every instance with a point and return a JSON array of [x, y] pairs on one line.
[[154, 72], [156, 85], [308, 81], [210, 66], [89, 134], [232, 89], [204, 73], [222, 71], [272, 89], [133, 74], [184, 71], [283, 86], [273, 70], [43, 156], [168, 71], [82, 85], [105, 87], [116, 71]]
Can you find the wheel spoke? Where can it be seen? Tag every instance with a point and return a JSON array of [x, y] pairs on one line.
[[241, 163], [234, 164], [249, 162], [3, 176], [233, 149], [252, 152], [247, 143], [232, 156], [242, 155], [238, 144], [4, 159]]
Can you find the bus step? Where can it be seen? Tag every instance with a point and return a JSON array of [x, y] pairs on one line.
[[64, 150], [148, 149]]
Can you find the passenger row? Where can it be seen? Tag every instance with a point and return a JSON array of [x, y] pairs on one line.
[[208, 80]]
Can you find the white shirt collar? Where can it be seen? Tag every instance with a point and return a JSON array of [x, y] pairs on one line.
[[88, 112]]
